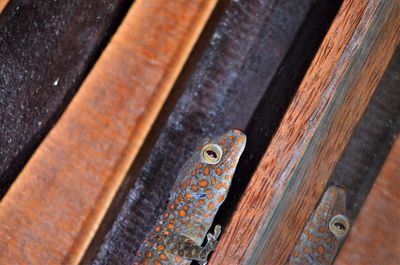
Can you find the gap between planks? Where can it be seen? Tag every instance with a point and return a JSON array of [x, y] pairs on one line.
[[61, 196], [292, 176]]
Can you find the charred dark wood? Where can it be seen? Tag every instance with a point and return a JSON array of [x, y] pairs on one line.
[[248, 42], [46, 50]]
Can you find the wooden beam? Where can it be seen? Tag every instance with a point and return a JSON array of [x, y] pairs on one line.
[[299, 161], [47, 49], [243, 52], [374, 237], [3, 4], [370, 144], [55, 206]]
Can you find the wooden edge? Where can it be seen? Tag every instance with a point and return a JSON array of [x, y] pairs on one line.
[[59, 199], [292, 175], [377, 227], [3, 4]]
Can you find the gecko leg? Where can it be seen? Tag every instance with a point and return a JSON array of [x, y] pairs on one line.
[[188, 249]]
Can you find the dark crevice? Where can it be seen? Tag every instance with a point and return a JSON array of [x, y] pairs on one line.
[[59, 25]]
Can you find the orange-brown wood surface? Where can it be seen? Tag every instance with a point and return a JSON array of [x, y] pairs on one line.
[[374, 237], [292, 175], [56, 204], [3, 4]]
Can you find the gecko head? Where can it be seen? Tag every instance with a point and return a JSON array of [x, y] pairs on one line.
[[335, 212], [219, 156]]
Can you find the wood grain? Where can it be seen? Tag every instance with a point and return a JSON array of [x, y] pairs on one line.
[[299, 161], [52, 211], [371, 142], [250, 43], [374, 237], [47, 49], [3, 4]]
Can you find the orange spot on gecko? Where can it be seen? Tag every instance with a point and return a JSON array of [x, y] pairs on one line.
[[221, 198], [203, 183], [321, 250], [163, 256], [296, 253], [202, 202], [210, 196], [213, 180], [149, 254], [218, 171], [171, 206], [218, 186], [199, 165], [206, 215], [307, 250], [156, 262], [182, 213], [178, 258], [188, 195], [170, 226], [160, 247], [193, 172], [157, 229], [211, 206], [206, 171], [167, 233], [195, 188]]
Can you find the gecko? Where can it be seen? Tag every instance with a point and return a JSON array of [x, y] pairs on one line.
[[200, 189], [328, 226]]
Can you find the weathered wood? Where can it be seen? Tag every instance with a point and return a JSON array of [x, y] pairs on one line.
[[371, 141], [47, 48], [374, 237], [55, 206], [300, 159], [3, 4], [250, 42]]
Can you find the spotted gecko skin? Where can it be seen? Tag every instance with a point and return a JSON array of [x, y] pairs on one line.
[[318, 244], [199, 191]]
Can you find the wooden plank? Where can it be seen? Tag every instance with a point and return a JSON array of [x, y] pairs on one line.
[[374, 237], [52, 211], [371, 141], [250, 44], [3, 4], [46, 51], [299, 161]]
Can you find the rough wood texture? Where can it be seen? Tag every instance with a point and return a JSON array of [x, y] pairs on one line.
[[47, 48], [374, 237], [371, 141], [55, 206], [250, 41], [299, 161]]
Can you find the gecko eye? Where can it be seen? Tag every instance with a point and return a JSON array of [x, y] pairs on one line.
[[211, 153], [339, 226]]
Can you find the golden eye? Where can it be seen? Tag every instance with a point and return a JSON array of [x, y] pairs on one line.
[[339, 226], [211, 153]]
